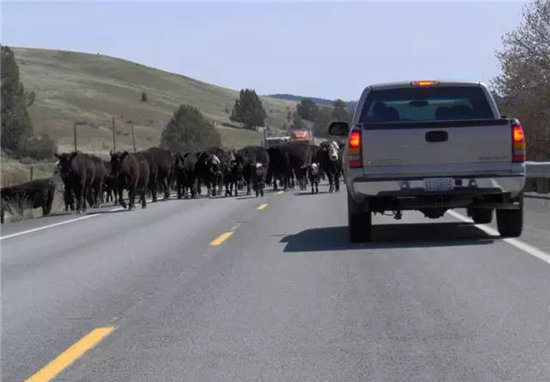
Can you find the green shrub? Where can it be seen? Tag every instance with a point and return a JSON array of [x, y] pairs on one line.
[[189, 130], [40, 148]]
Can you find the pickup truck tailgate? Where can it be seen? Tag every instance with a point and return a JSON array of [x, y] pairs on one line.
[[436, 143]]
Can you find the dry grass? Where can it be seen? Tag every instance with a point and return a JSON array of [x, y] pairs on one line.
[[73, 87]]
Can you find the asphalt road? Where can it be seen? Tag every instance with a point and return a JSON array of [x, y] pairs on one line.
[[285, 297]]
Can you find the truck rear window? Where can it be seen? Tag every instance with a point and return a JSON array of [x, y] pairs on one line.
[[426, 104]]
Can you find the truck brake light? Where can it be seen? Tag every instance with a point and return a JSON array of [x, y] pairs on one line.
[[518, 143], [355, 139], [354, 149], [423, 83]]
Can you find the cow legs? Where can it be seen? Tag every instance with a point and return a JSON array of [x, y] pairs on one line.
[[179, 190], [79, 195], [153, 189], [121, 198], [166, 188], [143, 198], [330, 182], [131, 198], [68, 199]]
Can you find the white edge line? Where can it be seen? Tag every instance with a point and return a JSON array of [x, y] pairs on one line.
[[527, 248], [62, 223], [47, 226]]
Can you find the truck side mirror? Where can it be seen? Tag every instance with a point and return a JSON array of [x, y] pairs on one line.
[[339, 129]]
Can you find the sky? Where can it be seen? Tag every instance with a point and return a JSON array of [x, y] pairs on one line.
[[321, 49]]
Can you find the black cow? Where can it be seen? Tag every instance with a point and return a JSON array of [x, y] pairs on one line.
[[232, 175], [314, 175], [34, 194], [278, 167], [209, 170], [78, 173], [96, 188], [330, 159], [258, 178], [131, 172], [295, 159], [109, 188], [185, 175], [160, 167], [247, 158]]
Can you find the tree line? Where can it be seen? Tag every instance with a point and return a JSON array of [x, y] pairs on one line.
[[321, 116], [523, 88]]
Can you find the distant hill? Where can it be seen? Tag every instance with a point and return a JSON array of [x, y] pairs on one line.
[[73, 86], [318, 101]]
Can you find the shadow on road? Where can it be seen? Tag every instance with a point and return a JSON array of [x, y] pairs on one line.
[[389, 236]]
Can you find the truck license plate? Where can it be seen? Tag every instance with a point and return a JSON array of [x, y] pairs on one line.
[[439, 184]]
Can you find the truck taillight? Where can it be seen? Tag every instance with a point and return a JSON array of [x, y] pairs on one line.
[[518, 143], [354, 149]]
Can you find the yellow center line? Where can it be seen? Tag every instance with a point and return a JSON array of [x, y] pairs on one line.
[[65, 359], [220, 239], [236, 226], [280, 192], [263, 206]]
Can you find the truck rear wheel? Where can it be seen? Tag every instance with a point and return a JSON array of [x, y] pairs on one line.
[[359, 221], [482, 216], [510, 222]]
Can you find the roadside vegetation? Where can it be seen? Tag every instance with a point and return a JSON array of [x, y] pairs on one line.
[[249, 110], [524, 85], [188, 130], [321, 116], [17, 136]]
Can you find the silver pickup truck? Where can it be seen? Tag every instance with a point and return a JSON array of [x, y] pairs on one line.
[[432, 146]]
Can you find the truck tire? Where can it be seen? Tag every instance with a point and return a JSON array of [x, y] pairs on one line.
[[482, 216], [359, 222], [510, 222]]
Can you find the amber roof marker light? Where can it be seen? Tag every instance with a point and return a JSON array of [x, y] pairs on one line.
[[423, 83]]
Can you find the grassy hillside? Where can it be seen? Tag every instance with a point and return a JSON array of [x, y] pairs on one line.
[[74, 87]]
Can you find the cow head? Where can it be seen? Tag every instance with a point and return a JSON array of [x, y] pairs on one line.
[[64, 163], [333, 151], [179, 161], [232, 156], [213, 164], [314, 169], [237, 164], [116, 162], [259, 169]]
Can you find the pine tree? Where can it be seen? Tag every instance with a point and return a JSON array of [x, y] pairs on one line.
[[16, 122], [248, 109]]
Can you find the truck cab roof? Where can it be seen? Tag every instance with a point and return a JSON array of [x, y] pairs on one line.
[[403, 84]]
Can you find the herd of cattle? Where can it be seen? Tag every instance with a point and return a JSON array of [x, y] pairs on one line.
[[90, 181]]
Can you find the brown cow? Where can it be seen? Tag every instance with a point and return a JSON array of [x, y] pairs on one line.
[[131, 173]]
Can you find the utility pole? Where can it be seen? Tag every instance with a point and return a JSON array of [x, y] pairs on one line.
[[133, 137], [114, 138], [74, 133], [265, 136]]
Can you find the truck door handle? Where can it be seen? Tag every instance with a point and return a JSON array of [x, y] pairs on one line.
[[437, 136]]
